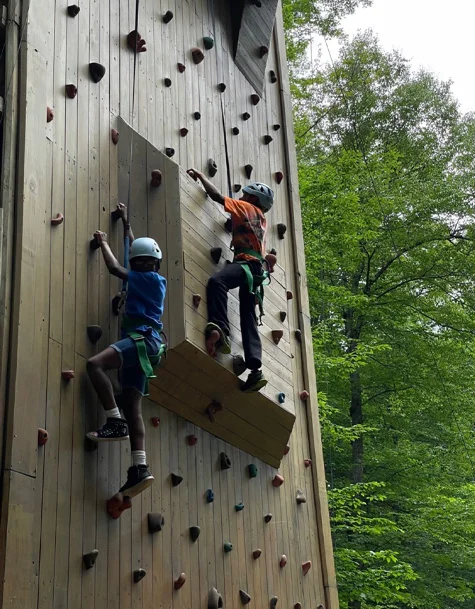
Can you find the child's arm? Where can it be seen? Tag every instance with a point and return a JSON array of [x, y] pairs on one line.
[[111, 261], [211, 190], [122, 211]]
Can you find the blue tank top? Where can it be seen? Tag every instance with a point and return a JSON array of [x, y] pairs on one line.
[[145, 298]]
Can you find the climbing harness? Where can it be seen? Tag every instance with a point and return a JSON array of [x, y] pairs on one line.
[[255, 283]]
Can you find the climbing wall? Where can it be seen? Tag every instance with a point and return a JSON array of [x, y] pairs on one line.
[[260, 526]]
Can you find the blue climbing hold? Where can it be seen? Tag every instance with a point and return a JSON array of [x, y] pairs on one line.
[[210, 495], [281, 398], [239, 507]]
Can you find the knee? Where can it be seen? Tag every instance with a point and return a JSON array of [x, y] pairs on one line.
[[93, 364]]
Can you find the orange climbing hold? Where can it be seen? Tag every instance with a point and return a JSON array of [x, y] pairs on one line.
[[278, 480], [49, 114], [57, 220], [67, 375], [308, 462], [180, 582], [283, 561], [271, 262], [118, 504], [115, 136], [42, 436], [304, 395], [155, 421], [306, 566], [277, 336], [156, 178]]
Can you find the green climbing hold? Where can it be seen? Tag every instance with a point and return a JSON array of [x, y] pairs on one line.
[[208, 43], [228, 546], [252, 469]]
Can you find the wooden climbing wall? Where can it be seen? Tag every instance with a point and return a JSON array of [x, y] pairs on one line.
[[53, 497]]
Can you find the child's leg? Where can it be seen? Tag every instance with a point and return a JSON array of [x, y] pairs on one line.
[[109, 359], [132, 407]]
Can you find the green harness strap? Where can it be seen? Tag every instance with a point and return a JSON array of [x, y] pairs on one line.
[[255, 283]]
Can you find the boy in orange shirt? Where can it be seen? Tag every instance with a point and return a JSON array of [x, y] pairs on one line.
[[248, 241]]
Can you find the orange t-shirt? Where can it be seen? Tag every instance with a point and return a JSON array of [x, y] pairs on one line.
[[249, 227]]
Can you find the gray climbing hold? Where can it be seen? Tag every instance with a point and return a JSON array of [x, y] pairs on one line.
[[301, 497], [215, 600]]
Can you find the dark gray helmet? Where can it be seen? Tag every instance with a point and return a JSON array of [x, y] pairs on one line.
[[263, 193]]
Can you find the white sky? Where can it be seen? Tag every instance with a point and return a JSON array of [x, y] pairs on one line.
[[435, 34]]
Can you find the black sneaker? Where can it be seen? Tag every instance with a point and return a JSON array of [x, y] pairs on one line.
[[112, 430], [138, 479], [254, 382]]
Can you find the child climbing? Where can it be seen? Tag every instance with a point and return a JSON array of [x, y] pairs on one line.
[[246, 272], [135, 355]]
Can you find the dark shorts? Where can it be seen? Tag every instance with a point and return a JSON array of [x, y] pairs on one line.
[[131, 373]]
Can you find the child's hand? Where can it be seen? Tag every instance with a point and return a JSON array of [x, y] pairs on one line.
[[193, 173], [122, 211], [100, 237]]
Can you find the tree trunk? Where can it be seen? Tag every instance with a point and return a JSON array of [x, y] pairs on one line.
[[356, 413]]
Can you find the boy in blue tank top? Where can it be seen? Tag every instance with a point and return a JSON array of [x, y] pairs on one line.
[[137, 351]]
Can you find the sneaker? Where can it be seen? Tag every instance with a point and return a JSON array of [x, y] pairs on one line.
[[223, 345], [255, 382], [138, 479], [113, 429]]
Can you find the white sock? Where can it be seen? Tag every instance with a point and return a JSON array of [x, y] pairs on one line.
[[139, 457], [113, 413]]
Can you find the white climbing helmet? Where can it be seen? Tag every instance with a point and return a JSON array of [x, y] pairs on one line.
[[263, 193], [144, 246]]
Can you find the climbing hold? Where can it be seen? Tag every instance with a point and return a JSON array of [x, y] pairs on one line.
[[245, 598], [268, 139], [239, 507], [215, 600], [94, 244], [212, 409], [90, 559], [287, 449], [155, 178], [212, 168], [278, 480], [276, 127], [257, 3], [273, 251], [155, 421], [183, 132], [97, 71], [215, 253], [239, 365], [299, 606], [298, 335], [176, 479], [271, 260], [170, 152], [221, 87], [197, 116], [42, 436], [255, 99], [267, 518], [167, 17], [139, 574], [118, 300], [67, 375], [191, 440], [283, 316], [248, 169], [272, 76], [136, 42], [319, 607], [263, 51], [194, 533], [209, 496], [283, 561], [115, 136], [197, 55], [94, 333], [167, 82], [180, 582], [181, 67], [273, 602], [277, 335], [235, 130], [304, 395], [49, 114], [71, 91], [73, 10], [281, 230], [208, 43], [306, 566], [301, 497], [224, 461], [252, 470], [279, 176], [246, 116], [117, 504], [228, 546], [196, 300], [228, 225], [307, 462], [289, 295], [256, 554], [237, 187], [156, 522], [281, 398], [57, 220]]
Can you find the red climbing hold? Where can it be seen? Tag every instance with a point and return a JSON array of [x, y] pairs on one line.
[[183, 132], [256, 554], [248, 169], [307, 462], [196, 300], [306, 566], [136, 42], [57, 220], [49, 114], [245, 598], [215, 253], [156, 522], [89, 559], [255, 99], [181, 67], [155, 421], [279, 176], [304, 395], [97, 71], [277, 336], [42, 436], [197, 55], [191, 440], [167, 17], [117, 504], [115, 136], [212, 168], [139, 574], [278, 480], [71, 91], [212, 409], [246, 116], [180, 582], [287, 449], [155, 178], [283, 561], [271, 260], [283, 316], [281, 230], [263, 51], [67, 375], [289, 295]]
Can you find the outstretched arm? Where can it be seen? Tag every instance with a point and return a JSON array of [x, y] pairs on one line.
[[122, 211], [111, 261], [211, 190]]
